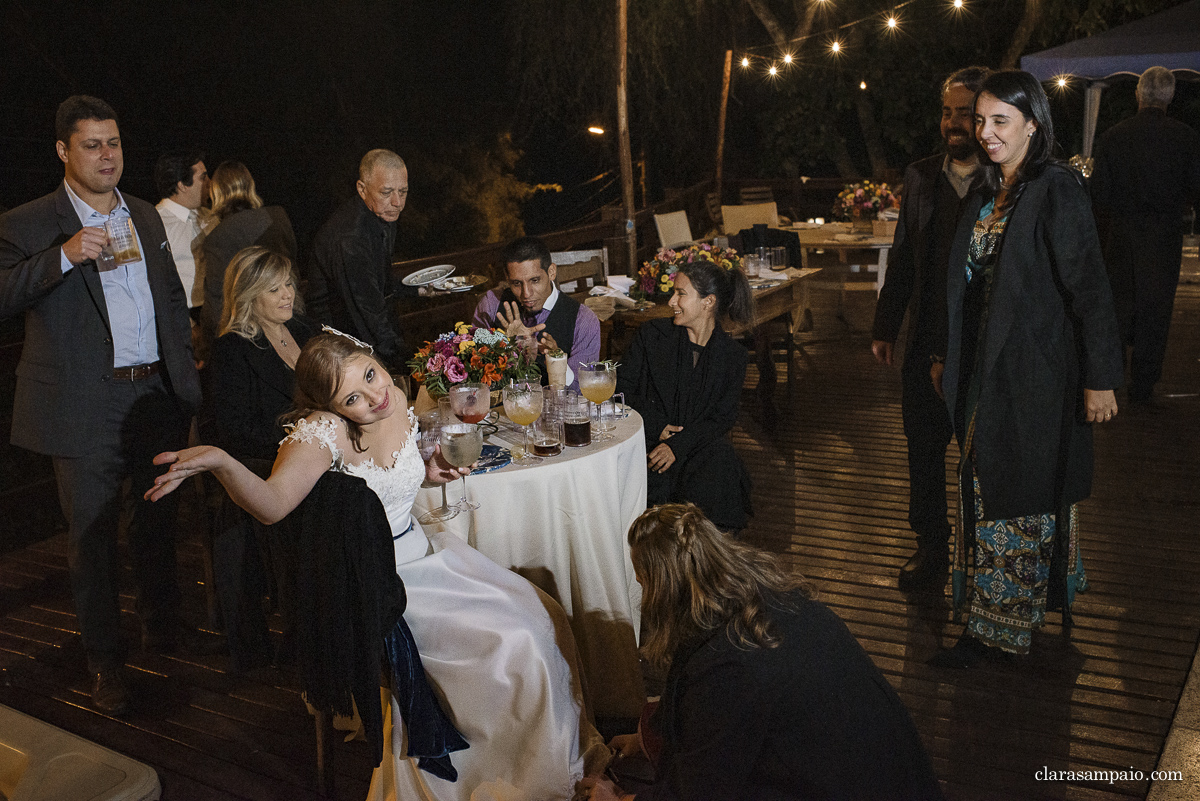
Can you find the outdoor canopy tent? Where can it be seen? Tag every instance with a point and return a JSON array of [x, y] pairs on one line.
[[1168, 39]]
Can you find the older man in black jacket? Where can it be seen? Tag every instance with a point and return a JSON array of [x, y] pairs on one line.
[[916, 281], [1147, 172], [350, 284]]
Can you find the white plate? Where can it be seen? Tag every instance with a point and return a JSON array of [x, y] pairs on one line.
[[427, 276], [459, 283]]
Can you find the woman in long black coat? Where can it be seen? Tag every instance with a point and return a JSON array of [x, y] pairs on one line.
[[1032, 361], [252, 387], [684, 377]]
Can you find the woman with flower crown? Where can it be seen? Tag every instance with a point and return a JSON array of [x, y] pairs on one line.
[[497, 652], [684, 375]]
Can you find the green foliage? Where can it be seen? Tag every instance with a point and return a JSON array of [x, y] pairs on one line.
[[463, 194]]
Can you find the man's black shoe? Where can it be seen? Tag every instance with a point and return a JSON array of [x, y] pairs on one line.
[[925, 571], [109, 693]]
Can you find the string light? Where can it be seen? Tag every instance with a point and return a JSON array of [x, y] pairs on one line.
[[836, 46], [958, 4], [1062, 82], [862, 84], [892, 23], [787, 58], [595, 129], [745, 61], [774, 70]]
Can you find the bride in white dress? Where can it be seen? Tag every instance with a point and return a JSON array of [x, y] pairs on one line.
[[497, 651]]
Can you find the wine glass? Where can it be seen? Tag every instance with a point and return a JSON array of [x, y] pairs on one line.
[[429, 426], [470, 401], [461, 445], [598, 382], [523, 405]]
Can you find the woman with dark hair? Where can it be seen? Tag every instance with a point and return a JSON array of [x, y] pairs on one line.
[[253, 381], [498, 652], [241, 221], [768, 695], [1032, 361], [684, 376]]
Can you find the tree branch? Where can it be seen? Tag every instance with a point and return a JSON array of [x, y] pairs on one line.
[[1020, 40], [769, 21]]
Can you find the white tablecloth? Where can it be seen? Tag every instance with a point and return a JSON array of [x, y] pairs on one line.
[[562, 524]]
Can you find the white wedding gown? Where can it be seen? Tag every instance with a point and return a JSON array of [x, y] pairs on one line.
[[497, 651]]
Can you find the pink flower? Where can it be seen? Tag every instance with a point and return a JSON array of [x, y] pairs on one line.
[[456, 371], [436, 363]]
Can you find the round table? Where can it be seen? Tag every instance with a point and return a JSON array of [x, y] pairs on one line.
[[562, 524]]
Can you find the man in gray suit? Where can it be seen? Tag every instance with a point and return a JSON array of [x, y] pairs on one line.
[[106, 380]]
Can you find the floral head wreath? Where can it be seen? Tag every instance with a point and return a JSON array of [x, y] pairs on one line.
[[359, 342]]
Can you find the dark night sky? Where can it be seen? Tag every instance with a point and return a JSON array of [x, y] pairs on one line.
[[296, 90]]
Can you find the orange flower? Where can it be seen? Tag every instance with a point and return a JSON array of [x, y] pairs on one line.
[[484, 349], [490, 374], [502, 362], [477, 361], [418, 376]]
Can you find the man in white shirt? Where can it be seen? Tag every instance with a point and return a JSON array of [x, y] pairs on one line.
[[182, 180]]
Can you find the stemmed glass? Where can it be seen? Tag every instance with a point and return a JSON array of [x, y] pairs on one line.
[[598, 382], [429, 424], [461, 445], [523, 405], [470, 401]]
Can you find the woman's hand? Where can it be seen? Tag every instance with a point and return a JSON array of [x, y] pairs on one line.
[[185, 463], [1100, 405], [601, 789], [661, 458], [668, 432], [439, 471]]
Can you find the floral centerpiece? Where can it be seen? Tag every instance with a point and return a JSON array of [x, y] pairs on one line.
[[656, 278], [470, 353], [863, 201]]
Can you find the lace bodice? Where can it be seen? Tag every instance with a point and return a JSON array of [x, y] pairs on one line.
[[396, 485]]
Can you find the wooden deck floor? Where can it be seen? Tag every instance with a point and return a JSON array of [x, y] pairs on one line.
[[830, 494]]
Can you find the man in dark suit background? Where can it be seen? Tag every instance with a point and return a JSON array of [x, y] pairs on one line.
[[350, 283], [916, 282], [106, 380], [1147, 170]]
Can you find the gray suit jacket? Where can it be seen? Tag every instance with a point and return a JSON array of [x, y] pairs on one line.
[[68, 349]]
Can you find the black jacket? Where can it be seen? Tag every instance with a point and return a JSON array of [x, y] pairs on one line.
[[910, 277], [350, 281], [268, 227], [251, 388], [812, 719], [1051, 331], [658, 381]]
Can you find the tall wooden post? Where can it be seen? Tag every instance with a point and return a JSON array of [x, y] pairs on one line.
[[721, 122], [623, 137]]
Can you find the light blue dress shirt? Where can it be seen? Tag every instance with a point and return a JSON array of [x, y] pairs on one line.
[[126, 292]]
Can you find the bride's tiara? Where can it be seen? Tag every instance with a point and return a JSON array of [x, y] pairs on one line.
[[359, 342]]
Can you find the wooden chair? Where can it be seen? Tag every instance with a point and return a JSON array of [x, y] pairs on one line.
[[738, 218], [673, 229], [750, 195], [580, 270]]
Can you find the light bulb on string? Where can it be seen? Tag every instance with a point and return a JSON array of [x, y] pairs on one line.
[[862, 85], [892, 22], [745, 61], [787, 58], [958, 4], [773, 71], [835, 47]]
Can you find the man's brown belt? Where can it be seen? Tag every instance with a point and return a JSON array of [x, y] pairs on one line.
[[137, 372]]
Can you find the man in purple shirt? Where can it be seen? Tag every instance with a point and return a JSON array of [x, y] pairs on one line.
[[530, 305]]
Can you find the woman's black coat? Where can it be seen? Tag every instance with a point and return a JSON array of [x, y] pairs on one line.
[[251, 388], [1051, 331], [811, 719], [658, 380]]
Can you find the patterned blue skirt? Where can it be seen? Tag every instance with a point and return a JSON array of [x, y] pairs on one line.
[[1005, 568]]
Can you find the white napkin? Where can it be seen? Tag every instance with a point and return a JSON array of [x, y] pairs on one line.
[[621, 283], [621, 298]]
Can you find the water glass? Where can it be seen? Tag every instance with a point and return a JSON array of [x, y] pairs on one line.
[[548, 429], [461, 445], [429, 426]]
